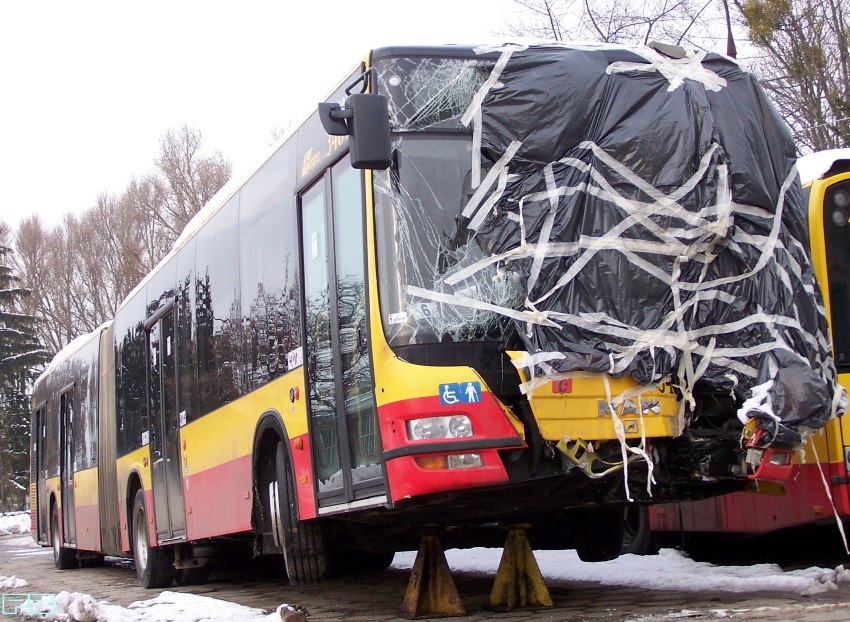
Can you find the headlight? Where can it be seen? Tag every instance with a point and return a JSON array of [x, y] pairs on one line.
[[454, 426]]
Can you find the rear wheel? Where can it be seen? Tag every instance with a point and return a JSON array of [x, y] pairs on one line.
[[64, 559], [303, 542], [154, 565], [598, 533]]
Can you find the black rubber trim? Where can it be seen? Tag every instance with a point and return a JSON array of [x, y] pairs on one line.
[[452, 447]]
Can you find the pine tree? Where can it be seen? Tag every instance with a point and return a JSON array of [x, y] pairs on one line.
[[20, 356]]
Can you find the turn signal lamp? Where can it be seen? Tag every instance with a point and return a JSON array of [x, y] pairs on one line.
[[453, 461]]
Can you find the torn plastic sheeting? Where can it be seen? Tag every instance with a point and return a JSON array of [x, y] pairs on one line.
[[642, 146], [661, 225]]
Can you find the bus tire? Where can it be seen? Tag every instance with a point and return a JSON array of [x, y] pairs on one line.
[[64, 558], [303, 542], [598, 533], [154, 565], [637, 535], [192, 576]]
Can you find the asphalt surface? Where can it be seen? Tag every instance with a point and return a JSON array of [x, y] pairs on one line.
[[378, 595]]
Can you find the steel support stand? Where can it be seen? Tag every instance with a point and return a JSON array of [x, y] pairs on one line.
[[519, 582], [431, 590]]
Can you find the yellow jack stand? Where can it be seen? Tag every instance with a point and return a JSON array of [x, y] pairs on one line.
[[431, 590], [519, 582]]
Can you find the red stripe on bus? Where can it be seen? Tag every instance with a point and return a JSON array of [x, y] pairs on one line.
[[218, 500], [408, 479], [805, 502], [302, 468], [88, 527]]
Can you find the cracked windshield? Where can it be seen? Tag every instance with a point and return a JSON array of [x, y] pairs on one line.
[[425, 246]]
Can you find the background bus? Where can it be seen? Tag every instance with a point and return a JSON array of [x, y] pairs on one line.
[[496, 329], [817, 494]]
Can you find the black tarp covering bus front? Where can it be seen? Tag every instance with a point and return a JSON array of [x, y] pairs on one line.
[[651, 211]]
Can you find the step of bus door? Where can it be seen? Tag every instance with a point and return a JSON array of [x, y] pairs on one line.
[[519, 582], [431, 590]]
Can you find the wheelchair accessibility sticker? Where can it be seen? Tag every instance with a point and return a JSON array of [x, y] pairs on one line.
[[460, 393]]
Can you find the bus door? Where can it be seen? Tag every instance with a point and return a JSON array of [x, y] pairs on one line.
[[343, 419], [66, 465], [40, 473], [163, 426]]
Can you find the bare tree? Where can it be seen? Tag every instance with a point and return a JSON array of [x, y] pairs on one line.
[[692, 23], [188, 179], [82, 269], [800, 49]]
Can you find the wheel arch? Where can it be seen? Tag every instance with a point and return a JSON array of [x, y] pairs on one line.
[[52, 506], [270, 431], [134, 484]]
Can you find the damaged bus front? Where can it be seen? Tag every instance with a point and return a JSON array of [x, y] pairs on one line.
[[589, 279]]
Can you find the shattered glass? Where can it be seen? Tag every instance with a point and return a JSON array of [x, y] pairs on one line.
[[429, 93], [423, 242]]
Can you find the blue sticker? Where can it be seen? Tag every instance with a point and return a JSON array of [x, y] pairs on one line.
[[470, 392], [460, 393], [450, 393]]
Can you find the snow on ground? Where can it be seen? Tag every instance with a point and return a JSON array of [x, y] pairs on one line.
[[671, 570], [167, 606], [14, 522]]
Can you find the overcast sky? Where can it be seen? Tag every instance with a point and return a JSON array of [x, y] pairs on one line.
[[88, 87]]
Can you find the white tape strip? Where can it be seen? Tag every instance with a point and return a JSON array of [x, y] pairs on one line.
[[490, 179], [473, 112], [676, 70]]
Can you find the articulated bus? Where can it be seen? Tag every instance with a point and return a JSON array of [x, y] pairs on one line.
[[818, 493], [269, 385]]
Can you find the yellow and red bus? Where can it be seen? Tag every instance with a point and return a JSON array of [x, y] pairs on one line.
[[818, 492], [312, 372]]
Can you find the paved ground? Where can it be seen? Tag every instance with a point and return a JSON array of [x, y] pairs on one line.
[[377, 596]]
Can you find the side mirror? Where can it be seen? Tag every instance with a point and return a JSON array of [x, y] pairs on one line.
[[365, 119]]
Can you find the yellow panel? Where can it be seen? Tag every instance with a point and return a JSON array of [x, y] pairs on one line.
[[228, 433], [582, 412], [85, 487], [838, 434], [134, 461]]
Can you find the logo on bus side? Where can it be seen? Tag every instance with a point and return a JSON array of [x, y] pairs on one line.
[[311, 159], [460, 393]]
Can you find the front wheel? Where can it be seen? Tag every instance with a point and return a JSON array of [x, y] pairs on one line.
[[303, 542], [62, 557], [154, 565]]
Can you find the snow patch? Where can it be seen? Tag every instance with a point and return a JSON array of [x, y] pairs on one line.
[[14, 522], [7, 583]]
